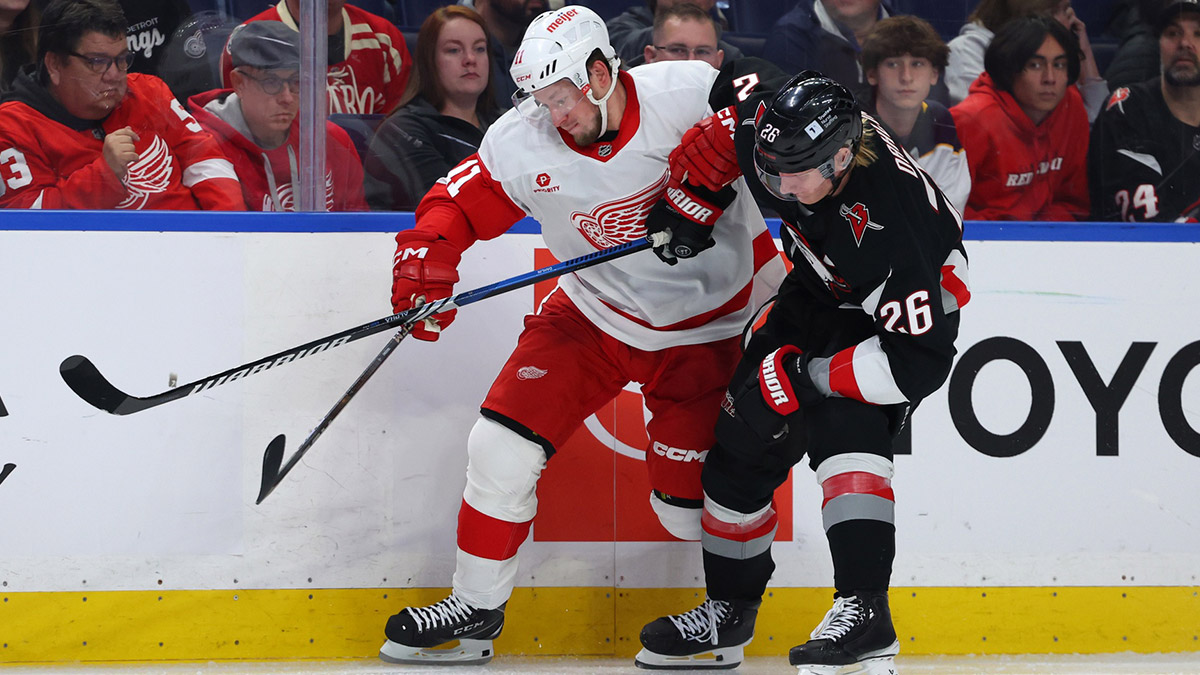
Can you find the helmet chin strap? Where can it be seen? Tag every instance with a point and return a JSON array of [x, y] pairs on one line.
[[602, 102]]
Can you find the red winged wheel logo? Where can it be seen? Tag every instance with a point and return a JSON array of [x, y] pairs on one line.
[[620, 221]]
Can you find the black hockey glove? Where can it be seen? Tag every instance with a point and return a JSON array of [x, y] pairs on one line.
[[687, 214], [758, 413]]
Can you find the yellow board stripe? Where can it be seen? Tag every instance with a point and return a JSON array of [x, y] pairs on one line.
[[348, 623]]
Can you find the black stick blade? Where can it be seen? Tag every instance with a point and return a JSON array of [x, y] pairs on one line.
[[3, 410], [272, 460], [8, 468], [85, 380]]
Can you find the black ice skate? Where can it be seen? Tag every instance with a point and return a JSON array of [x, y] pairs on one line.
[[710, 636], [856, 636], [448, 632]]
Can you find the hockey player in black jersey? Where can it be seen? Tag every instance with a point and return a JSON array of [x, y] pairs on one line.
[[861, 330]]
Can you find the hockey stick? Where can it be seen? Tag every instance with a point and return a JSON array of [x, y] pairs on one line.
[[272, 475], [8, 468], [82, 376], [3, 410]]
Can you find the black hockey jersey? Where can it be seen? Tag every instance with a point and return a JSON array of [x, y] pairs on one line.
[[1143, 163], [889, 243]]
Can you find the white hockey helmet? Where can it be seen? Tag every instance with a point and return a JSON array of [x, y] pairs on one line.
[[556, 46]]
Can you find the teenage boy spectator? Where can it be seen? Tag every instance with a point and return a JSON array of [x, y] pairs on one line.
[[256, 124], [967, 50], [506, 21], [1144, 160], [903, 57], [368, 61], [79, 132], [680, 31], [684, 32], [431, 134], [1025, 129]]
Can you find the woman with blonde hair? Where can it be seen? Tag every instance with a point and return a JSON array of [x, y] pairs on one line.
[[421, 141]]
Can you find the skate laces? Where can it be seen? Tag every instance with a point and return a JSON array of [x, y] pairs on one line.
[[838, 621], [446, 612], [700, 624]]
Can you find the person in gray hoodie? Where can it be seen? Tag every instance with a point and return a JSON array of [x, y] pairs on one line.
[[256, 124]]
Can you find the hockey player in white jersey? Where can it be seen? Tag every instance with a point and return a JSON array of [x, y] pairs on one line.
[[585, 152]]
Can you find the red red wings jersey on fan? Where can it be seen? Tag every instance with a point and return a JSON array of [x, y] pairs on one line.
[[371, 79], [46, 164]]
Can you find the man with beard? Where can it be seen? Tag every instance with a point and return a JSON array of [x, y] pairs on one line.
[[1144, 157], [506, 23], [79, 131], [585, 152]]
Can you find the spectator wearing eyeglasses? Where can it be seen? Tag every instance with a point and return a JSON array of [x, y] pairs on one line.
[[684, 33], [257, 127], [638, 28], [80, 131]]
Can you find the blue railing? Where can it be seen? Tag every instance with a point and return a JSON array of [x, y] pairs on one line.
[[201, 221]]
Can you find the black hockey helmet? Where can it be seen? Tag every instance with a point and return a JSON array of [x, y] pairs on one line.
[[808, 121]]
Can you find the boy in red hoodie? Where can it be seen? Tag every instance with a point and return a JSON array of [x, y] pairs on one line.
[[256, 125], [1025, 130]]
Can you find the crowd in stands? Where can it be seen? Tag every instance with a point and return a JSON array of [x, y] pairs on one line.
[[1018, 109]]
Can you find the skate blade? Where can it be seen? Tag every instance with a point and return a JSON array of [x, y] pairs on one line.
[[718, 659], [461, 652], [883, 665]]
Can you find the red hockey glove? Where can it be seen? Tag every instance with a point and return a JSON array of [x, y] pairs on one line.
[[686, 213], [425, 269], [706, 155], [757, 412]]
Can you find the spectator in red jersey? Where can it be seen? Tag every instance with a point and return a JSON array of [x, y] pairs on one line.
[[428, 136], [368, 61], [79, 131], [256, 124], [1025, 129]]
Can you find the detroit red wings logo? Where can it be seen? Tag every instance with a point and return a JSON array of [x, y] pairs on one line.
[[149, 175], [860, 220], [617, 222]]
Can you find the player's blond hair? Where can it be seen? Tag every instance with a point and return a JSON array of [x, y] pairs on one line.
[[865, 155]]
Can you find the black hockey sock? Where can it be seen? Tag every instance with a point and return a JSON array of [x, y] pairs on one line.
[[863, 551], [738, 579]]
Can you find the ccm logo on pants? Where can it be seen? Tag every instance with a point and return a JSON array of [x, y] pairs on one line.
[[679, 454]]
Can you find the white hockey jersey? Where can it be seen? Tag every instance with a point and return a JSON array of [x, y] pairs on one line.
[[598, 196]]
